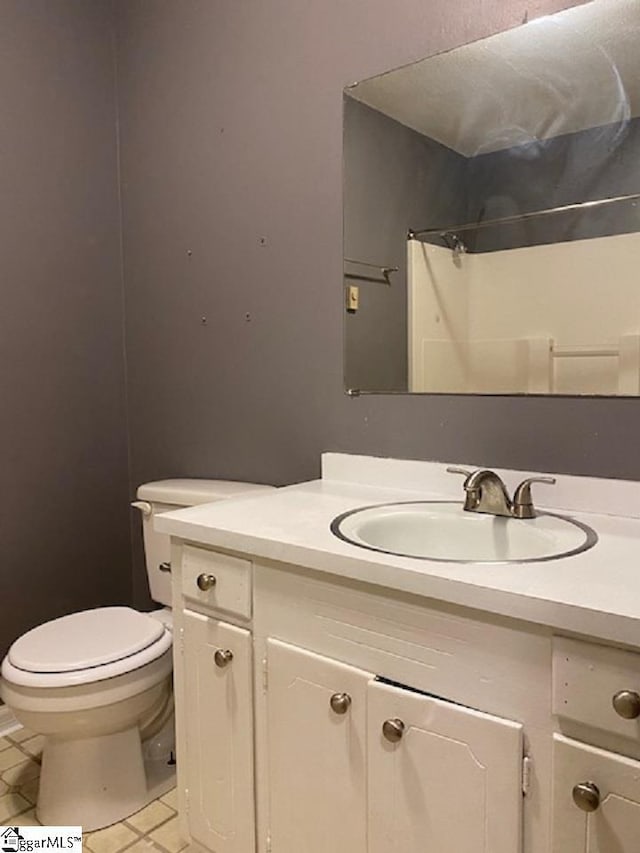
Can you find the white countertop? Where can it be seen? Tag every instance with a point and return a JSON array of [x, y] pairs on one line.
[[595, 593]]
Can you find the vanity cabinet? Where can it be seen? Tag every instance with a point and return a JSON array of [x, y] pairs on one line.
[[216, 758], [317, 714], [372, 767]]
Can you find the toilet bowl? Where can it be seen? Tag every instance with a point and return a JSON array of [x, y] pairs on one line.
[[98, 685]]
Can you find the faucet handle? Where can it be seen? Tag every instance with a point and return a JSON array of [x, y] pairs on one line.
[[452, 469], [522, 501]]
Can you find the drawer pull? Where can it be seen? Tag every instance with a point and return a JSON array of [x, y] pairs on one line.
[[206, 582], [393, 730], [626, 704], [340, 703], [586, 796], [223, 657]]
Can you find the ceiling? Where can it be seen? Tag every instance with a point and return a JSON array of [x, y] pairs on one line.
[[555, 75]]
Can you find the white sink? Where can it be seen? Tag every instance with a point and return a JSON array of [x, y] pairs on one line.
[[442, 530]]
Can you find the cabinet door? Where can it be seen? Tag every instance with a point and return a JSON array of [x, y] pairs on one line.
[[614, 825], [316, 754], [442, 777], [219, 735]]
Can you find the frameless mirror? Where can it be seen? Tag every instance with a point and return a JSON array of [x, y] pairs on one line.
[[491, 214]]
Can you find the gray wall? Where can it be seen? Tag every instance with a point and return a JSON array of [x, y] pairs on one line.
[[231, 117], [394, 179], [231, 178], [64, 521]]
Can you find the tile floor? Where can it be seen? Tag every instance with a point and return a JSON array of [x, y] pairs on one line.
[[154, 829]]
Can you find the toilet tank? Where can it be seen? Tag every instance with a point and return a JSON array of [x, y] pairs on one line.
[[164, 496]]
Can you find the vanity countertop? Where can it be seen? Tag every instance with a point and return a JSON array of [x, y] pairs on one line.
[[595, 593]]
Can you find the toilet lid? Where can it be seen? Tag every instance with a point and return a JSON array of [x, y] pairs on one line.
[[84, 640]]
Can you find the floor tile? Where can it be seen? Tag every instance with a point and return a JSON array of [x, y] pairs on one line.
[[33, 745], [151, 816], [30, 790], [171, 799], [5, 743], [21, 773], [11, 805], [26, 819], [10, 757], [110, 840], [21, 734], [144, 845], [168, 836]]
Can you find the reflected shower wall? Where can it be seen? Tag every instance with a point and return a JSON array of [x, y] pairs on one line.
[[518, 321]]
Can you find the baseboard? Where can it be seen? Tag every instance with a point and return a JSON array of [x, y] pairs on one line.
[[8, 722]]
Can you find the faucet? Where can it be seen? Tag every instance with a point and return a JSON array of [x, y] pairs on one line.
[[486, 493]]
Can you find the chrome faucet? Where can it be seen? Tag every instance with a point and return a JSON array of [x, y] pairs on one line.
[[485, 492]]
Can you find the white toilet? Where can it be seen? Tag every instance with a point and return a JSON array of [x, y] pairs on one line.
[[97, 684]]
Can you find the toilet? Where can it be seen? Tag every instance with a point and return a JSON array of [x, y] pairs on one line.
[[98, 685]]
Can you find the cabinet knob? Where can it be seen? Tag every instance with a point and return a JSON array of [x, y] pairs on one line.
[[626, 704], [223, 657], [393, 730], [340, 703], [586, 796], [206, 582]]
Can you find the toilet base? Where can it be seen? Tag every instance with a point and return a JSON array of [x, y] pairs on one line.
[[96, 781]]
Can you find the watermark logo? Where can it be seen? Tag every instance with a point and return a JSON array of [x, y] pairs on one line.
[[10, 839], [16, 839]]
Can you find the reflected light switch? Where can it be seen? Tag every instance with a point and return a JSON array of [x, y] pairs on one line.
[[353, 298]]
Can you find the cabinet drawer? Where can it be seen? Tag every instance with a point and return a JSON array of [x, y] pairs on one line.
[[587, 677], [228, 580]]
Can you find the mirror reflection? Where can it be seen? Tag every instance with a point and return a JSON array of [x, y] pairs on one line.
[[492, 214]]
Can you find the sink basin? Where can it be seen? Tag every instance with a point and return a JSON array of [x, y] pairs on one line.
[[442, 530]]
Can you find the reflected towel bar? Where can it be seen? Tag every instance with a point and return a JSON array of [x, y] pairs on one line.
[[568, 352], [384, 271]]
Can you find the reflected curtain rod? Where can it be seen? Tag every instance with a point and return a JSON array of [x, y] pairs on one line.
[[520, 217]]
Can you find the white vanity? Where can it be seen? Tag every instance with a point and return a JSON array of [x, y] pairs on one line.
[[333, 698]]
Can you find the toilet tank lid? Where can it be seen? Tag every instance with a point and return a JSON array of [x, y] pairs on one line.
[[193, 492]]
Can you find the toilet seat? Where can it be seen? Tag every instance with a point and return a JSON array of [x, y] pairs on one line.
[[85, 647]]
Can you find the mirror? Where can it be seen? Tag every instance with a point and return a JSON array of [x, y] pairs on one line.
[[492, 214]]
